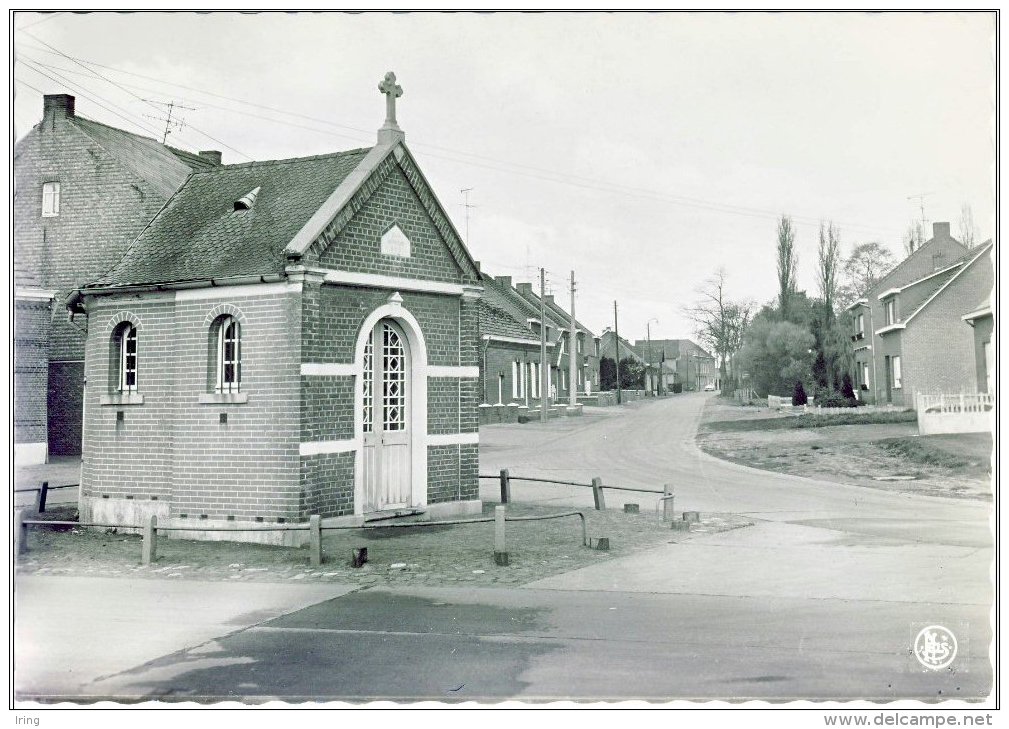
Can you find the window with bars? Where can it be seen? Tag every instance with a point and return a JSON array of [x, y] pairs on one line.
[[128, 358], [368, 384], [229, 355], [393, 380]]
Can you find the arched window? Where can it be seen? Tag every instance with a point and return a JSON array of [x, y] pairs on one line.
[[229, 355], [127, 343]]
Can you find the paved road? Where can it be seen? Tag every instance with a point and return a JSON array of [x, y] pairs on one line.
[[820, 599]]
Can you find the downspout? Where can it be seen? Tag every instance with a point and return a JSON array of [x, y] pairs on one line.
[[872, 350]]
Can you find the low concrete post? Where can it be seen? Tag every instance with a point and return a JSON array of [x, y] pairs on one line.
[[20, 532], [358, 556], [149, 550], [597, 494], [691, 516], [500, 546], [43, 495], [668, 511], [315, 540], [632, 508], [506, 487]]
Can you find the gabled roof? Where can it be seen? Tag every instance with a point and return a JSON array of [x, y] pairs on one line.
[[558, 310], [967, 259], [496, 322], [898, 276], [626, 348], [560, 323], [199, 235], [165, 168]]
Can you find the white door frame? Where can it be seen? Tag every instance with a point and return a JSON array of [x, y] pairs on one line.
[[418, 408]]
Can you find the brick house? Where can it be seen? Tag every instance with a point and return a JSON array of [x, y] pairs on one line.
[[908, 330], [83, 192], [586, 350], [982, 323], [509, 351], [286, 338], [682, 362]]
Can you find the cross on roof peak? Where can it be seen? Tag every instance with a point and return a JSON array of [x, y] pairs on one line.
[[392, 91]]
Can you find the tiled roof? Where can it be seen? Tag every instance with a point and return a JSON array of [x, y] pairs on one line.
[[942, 281], [199, 235], [499, 323], [163, 167], [897, 276]]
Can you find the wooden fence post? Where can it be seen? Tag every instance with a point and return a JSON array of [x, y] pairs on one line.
[[20, 532], [500, 546], [43, 495], [667, 502], [149, 550], [315, 540], [597, 494], [506, 487]]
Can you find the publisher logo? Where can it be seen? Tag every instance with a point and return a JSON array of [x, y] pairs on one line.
[[935, 647]]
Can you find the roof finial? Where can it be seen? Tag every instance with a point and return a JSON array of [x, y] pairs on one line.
[[390, 131]]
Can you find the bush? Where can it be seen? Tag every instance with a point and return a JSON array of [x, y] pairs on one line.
[[799, 394], [846, 389], [677, 388], [837, 400]]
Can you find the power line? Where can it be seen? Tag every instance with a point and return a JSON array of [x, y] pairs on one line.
[[65, 82], [543, 174], [153, 106], [48, 16]]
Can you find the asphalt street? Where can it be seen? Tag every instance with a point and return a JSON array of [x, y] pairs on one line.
[[821, 599]]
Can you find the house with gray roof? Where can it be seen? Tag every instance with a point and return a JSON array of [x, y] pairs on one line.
[[83, 192], [908, 330], [286, 338]]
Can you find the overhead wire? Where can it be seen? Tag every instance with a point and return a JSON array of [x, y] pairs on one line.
[[461, 156]]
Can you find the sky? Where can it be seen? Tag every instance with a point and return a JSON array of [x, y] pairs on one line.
[[643, 151]]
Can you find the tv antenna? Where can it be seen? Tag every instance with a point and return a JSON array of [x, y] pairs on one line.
[[466, 191], [920, 197], [170, 124]]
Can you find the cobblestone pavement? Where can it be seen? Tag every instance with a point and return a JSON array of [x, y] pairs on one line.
[[437, 555]]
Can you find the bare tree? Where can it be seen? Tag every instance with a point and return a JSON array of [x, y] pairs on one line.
[[830, 261], [788, 260], [966, 228], [865, 265], [718, 322], [914, 236]]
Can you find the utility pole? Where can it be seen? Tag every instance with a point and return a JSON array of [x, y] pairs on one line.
[[169, 124], [648, 335], [616, 335], [466, 191], [573, 357], [544, 365]]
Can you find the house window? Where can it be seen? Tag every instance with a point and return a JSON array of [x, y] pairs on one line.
[[516, 381], [229, 355], [895, 372], [579, 341], [860, 326], [128, 358], [50, 199], [865, 376], [890, 308]]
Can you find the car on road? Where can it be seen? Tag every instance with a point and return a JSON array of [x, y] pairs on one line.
[[710, 387]]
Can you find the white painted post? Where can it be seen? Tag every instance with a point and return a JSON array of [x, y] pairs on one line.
[[315, 540], [500, 546], [20, 532], [149, 550]]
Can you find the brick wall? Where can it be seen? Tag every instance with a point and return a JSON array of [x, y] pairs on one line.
[[498, 358], [175, 447], [31, 371], [938, 345], [982, 336], [103, 207], [357, 247]]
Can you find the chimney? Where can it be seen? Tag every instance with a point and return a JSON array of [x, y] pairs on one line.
[[57, 106], [505, 281], [940, 230], [211, 155], [524, 288], [549, 298]]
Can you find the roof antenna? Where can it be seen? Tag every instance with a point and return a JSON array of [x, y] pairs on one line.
[[466, 191], [170, 123]]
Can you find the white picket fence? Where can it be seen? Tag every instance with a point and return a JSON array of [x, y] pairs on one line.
[[965, 412]]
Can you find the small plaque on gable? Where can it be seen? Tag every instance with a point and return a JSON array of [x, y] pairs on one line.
[[395, 243]]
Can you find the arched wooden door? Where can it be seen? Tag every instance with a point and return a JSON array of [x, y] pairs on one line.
[[385, 421]]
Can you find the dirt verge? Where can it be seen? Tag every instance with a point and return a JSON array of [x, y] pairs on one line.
[[886, 454]]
